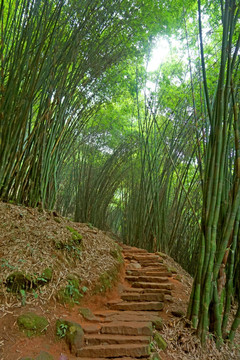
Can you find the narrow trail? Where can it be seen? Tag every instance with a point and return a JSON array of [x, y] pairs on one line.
[[125, 330]]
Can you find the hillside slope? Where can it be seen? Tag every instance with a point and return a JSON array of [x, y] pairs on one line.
[[52, 267]]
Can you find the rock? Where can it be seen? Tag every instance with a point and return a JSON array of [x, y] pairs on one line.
[[158, 323], [161, 343], [18, 281], [87, 314], [73, 334], [178, 313], [32, 324], [44, 356], [133, 266]]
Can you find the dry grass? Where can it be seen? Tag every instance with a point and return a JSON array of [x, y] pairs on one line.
[[27, 244]]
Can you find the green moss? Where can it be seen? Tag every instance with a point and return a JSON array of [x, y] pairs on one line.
[[158, 323], [70, 294], [117, 254], [73, 246], [27, 358], [32, 324], [76, 237], [73, 280], [106, 281], [87, 314], [172, 269], [45, 277], [57, 220], [161, 343]]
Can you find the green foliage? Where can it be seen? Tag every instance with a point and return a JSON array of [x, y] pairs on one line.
[[62, 330], [73, 292], [106, 281], [76, 237], [71, 247]]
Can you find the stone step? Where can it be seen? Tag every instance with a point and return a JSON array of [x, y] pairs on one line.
[[159, 267], [133, 250], [147, 279], [146, 290], [138, 306], [127, 328], [142, 297], [133, 316], [139, 257], [154, 263], [97, 339], [152, 285], [115, 350], [144, 272]]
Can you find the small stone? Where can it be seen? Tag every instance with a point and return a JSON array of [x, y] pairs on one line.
[[87, 314], [44, 356], [133, 266], [178, 313], [161, 343], [32, 324]]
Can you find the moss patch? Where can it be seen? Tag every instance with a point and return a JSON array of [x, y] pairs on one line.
[[45, 277], [158, 323], [161, 343], [117, 254], [106, 281], [18, 281], [32, 324], [87, 314], [70, 294], [75, 235]]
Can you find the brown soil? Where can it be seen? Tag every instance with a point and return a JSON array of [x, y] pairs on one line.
[[22, 226]]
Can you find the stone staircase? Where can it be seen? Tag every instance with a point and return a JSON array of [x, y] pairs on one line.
[[125, 330]]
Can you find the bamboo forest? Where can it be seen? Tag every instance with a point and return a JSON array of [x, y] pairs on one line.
[[121, 118]]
